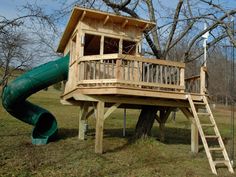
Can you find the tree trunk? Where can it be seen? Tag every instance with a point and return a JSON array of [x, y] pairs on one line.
[[147, 118], [145, 121]]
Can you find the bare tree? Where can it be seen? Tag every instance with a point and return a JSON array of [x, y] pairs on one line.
[[13, 53], [21, 40]]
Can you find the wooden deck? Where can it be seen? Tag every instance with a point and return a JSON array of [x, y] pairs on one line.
[[129, 77]]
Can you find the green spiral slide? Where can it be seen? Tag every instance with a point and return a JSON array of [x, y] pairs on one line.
[[15, 94]]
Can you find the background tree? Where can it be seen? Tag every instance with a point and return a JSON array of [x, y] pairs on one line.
[[21, 41]]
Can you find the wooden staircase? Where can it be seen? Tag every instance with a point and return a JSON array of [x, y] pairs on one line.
[[207, 138]]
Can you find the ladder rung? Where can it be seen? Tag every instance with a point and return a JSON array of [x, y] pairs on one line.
[[203, 113], [216, 149], [207, 125], [211, 136], [221, 162], [199, 103]]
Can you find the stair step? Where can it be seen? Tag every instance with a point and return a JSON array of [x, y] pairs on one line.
[[207, 125], [199, 103], [203, 113], [211, 136], [221, 162], [216, 149]]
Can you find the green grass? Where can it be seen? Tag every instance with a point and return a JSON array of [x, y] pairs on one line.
[[123, 157]]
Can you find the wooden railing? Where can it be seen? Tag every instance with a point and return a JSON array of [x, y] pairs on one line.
[[192, 84], [197, 84], [130, 71]]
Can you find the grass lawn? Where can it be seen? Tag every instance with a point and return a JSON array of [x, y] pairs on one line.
[[123, 157]]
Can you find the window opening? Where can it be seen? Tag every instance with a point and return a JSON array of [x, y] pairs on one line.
[[92, 44]]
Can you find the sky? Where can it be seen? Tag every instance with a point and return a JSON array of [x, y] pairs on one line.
[[10, 8]]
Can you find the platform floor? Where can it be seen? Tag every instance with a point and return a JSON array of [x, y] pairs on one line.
[[129, 97]]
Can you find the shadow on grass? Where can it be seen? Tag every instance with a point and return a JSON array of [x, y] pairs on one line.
[[65, 133], [172, 136]]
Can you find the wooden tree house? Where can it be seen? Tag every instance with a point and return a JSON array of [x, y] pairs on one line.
[[107, 69]]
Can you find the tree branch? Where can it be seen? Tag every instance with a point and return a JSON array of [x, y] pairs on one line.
[[175, 22]]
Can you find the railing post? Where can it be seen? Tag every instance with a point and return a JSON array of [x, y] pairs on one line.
[[118, 69], [182, 79], [203, 70]]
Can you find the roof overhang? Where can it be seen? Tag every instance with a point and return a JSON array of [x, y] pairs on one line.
[[79, 13]]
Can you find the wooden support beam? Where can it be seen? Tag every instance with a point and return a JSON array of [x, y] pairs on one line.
[[82, 16], [194, 138], [124, 23], [145, 27], [99, 127], [91, 112], [102, 45], [194, 130], [164, 114], [106, 20], [111, 110], [82, 120]]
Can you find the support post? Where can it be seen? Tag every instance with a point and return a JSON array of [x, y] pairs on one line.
[[82, 120], [194, 130], [99, 127], [124, 128], [164, 114], [182, 79], [203, 80], [119, 69], [194, 138]]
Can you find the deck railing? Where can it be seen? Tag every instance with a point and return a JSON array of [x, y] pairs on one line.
[[130, 71], [192, 84], [197, 84]]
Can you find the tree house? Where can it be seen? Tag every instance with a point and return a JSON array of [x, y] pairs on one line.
[[107, 69]]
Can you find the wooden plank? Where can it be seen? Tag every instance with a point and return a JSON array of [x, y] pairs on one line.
[[139, 71], [113, 69], [194, 130], [111, 110], [99, 128], [143, 66], [193, 78], [118, 69], [152, 74], [182, 78], [128, 82], [202, 80], [194, 138], [91, 112], [106, 20], [133, 58], [99, 57], [82, 16], [165, 74], [161, 76], [153, 60], [123, 67], [132, 91], [128, 70], [124, 23], [82, 120]]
